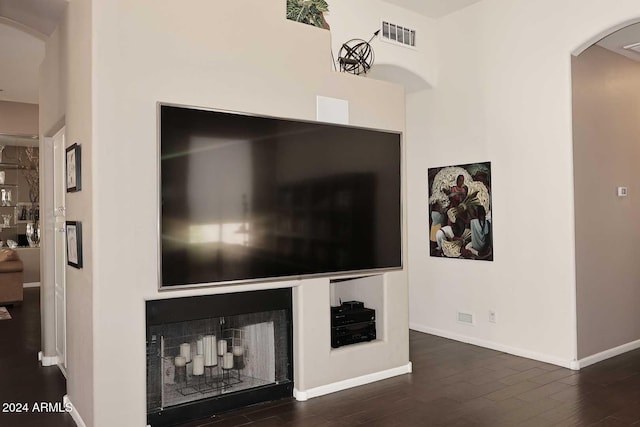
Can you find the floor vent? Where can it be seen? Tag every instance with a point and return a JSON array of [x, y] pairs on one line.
[[398, 34], [466, 318]]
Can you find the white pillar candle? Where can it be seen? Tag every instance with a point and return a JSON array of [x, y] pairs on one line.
[[227, 361], [180, 361], [238, 350], [185, 351], [200, 346], [198, 364], [206, 343], [181, 369], [222, 347], [210, 355]]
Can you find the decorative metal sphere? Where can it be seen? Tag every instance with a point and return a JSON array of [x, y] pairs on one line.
[[356, 57]]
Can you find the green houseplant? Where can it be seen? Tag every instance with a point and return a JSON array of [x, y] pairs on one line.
[[308, 12]]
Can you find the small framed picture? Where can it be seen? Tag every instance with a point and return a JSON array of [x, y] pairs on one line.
[[74, 243], [73, 168]]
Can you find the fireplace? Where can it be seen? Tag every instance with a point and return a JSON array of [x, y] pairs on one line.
[[213, 353]]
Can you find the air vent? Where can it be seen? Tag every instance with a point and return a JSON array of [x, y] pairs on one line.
[[634, 47], [466, 318], [398, 34]]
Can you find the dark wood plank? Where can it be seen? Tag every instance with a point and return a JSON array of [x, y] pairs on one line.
[[460, 384], [22, 378], [453, 384]]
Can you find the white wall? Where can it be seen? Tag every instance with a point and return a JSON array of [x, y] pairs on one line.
[[606, 107], [413, 67], [51, 88], [66, 99], [18, 118], [193, 53], [504, 95]]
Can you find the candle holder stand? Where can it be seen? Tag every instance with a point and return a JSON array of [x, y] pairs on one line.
[[186, 388], [213, 378], [229, 379], [210, 381], [236, 338]]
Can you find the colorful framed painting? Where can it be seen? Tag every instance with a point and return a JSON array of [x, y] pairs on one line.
[[460, 216]]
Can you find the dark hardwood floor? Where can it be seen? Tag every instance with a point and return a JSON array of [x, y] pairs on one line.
[[453, 384], [456, 384], [22, 379]]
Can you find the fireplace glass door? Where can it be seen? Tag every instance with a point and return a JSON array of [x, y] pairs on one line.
[[216, 363]]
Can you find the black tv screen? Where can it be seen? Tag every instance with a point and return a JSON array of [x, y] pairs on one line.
[[246, 198]]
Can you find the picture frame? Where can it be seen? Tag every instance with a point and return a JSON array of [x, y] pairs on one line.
[[460, 211], [73, 231], [73, 168]]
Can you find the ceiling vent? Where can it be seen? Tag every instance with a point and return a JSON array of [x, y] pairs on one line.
[[398, 34], [634, 47]]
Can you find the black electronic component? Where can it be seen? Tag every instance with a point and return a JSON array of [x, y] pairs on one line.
[[352, 323]]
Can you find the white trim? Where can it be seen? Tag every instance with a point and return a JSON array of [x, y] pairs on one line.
[[351, 382], [584, 46], [607, 354], [63, 370], [565, 363], [74, 412], [47, 360], [31, 285], [24, 28]]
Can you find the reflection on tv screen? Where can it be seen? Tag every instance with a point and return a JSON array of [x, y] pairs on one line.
[[256, 198]]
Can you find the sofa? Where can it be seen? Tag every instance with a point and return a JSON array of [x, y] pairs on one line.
[[11, 277]]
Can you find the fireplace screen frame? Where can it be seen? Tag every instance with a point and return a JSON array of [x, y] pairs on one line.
[[161, 312]]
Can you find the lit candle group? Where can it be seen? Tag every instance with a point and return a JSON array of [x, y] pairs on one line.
[[207, 351]]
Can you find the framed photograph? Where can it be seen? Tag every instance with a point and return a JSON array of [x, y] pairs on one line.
[[74, 243], [73, 168], [460, 214]]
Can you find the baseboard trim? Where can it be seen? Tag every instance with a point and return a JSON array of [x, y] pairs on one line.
[[351, 382], [73, 412], [31, 285], [47, 360], [570, 364], [607, 354]]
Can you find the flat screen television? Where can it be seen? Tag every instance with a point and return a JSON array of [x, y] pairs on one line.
[[248, 198]]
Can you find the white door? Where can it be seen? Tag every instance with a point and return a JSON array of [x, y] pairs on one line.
[[60, 252]]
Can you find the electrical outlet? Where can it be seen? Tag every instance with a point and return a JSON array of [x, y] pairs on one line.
[[492, 316]]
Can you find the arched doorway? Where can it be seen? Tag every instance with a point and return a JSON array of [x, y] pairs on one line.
[[606, 108]]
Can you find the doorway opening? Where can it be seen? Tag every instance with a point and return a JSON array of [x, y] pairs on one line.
[[606, 108]]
